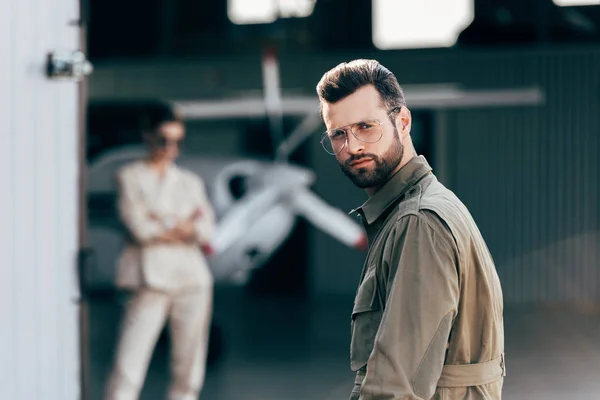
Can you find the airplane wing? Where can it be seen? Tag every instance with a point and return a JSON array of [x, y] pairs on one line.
[[418, 97]]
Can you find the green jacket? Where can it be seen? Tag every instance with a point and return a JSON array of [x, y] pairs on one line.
[[427, 321]]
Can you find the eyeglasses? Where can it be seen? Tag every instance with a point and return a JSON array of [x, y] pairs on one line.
[[163, 142], [368, 131]]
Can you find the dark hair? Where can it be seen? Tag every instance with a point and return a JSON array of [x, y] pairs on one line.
[[156, 114], [346, 78]]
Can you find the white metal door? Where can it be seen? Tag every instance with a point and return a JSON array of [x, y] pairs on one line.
[[39, 328]]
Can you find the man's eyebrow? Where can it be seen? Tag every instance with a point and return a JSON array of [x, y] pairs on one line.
[[353, 123]]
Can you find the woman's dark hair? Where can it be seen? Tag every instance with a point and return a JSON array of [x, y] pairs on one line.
[[346, 78], [157, 113]]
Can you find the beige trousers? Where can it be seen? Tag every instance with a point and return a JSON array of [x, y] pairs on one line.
[[189, 316]]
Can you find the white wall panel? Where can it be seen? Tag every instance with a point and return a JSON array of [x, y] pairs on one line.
[[38, 209]]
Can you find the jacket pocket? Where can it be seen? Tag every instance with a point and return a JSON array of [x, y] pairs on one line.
[[366, 316]]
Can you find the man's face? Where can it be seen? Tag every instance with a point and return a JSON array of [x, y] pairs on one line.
[[167, 140], [368, 165]]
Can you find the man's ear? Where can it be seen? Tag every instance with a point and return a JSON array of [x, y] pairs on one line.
[[405, 121]]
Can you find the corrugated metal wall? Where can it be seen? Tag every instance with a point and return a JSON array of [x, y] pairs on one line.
[[537, 176], [530, 175], [38, 207]]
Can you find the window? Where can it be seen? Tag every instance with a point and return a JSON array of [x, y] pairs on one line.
[[401, 24], [266, 11], [568, 3]]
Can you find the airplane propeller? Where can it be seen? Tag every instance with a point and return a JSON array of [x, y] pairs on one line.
[[277, 188]]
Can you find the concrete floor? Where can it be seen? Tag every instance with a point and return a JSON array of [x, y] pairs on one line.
[[280, 349]]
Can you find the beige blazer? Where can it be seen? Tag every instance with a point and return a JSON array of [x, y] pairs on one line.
[[148, 205]]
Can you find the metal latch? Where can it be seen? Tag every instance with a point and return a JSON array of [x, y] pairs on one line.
[[68, 65]]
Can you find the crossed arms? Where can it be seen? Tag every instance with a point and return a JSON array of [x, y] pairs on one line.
[[147, 228], [183, 231]]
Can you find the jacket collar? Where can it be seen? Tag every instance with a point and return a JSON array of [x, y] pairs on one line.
[[395, 187]]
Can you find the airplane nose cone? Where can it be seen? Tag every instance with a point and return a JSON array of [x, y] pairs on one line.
[[362, 243], [208, 250]]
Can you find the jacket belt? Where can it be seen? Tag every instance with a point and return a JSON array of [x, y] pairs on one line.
[[465, 375]]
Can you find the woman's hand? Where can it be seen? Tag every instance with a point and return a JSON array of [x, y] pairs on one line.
[[185, 230]]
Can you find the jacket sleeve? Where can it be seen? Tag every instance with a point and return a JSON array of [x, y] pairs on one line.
[[420, 282], [133, 212], [205, 224]]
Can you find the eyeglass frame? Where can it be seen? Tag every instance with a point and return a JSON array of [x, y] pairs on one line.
[[162, 142], [345, 128]]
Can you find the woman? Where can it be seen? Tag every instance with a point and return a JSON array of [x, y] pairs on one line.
[[170, 222]]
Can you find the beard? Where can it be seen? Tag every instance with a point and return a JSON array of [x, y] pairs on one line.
[[385, 165]]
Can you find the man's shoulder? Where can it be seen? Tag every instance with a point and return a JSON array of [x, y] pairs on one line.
[[422, 219], [437, 193], [428, 194], [434, 205], [437, 198], [443, 205]]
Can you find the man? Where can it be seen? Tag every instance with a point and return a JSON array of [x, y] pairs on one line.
[[427, 321], [170, 223]]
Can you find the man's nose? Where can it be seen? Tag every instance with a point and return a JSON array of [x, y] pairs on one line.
[[353, 145]]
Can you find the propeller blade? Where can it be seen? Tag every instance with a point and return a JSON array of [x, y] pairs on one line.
[[272, 95], [307, 127], [238, 220], [328, 219]]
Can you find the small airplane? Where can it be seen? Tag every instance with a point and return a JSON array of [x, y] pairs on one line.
[[256, 201]]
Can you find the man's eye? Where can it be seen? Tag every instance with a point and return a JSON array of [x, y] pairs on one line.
[[365, 125], [337, 134]]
